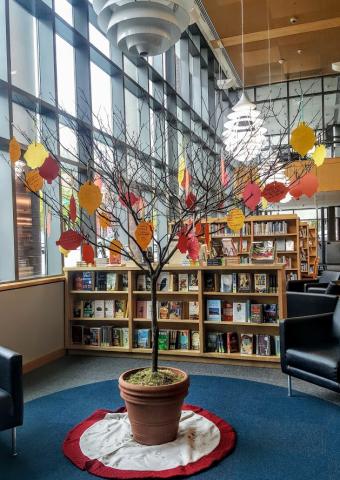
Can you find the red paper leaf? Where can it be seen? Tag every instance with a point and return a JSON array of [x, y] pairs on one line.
[[72, 209], [190, 200], [87, 253], [224, 175], [309, 184], [193, 248], [70, 240], [49, 169], [251, 195], [128, 199], [182, 243], [207, 234], [295, 189], [186, 179], [274, 192]]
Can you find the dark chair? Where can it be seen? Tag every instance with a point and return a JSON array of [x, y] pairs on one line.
[[305, 304], [319, 285], [310, 347], [11, 393]]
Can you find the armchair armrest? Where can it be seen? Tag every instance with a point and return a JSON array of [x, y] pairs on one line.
[[11, 379], [304, 331], [314, 283], [295, 285]]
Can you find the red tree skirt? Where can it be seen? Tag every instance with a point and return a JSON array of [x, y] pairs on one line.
[[103, 445]]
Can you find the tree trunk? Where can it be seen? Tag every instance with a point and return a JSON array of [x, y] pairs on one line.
[[154, 324]]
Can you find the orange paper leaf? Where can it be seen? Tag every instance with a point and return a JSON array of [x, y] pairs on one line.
[[116, 252], [143, 234], [33, 181], [309, 184], [90, 197], [14, 150]]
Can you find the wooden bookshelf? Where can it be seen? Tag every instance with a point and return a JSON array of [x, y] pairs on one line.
[[202, 324], [312, 251], [304, 249]]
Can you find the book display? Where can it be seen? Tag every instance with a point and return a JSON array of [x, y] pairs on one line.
[[304, 251], [222, 312]]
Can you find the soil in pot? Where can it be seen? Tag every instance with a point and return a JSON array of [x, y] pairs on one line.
[[154, 404]]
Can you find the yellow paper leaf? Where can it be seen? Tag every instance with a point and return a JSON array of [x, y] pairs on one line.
[[63, 251], [302, 139], [235, 219], [35, 155], [264, 203], [181, 170], [319, 155], [14, 150], [90, 197], [33, 181]]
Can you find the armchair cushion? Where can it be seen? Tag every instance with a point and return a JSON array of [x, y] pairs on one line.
[[329, 276], [6, 409], [317, 290], [323, 361], [11, 383]]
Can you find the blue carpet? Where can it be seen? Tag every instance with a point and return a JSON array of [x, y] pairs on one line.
[[277, 437]]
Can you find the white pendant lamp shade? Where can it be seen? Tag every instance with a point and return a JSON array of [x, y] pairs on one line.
[[146, 28], [244, 135]]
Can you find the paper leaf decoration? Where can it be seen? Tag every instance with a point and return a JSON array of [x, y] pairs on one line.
[[72, 212], [235, 219], [70, 240], [143, 234], [190, 200], [264, 203], [105, 220], [181, 170], [14, 150], [295, 189], [63, 251], [35, 155], [87, 253], [207, 234], [90, 197], [33, 181], [302, 139], [182, 243], [274, 192], [128, 199], [319, 155], [199, 229], [309, 184], [224, 175], [251, 195], [116, 252], [48, 223], [98, 181], [49, 169], [193, 247], [186, 180]]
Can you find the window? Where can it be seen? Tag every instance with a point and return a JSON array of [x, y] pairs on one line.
[[66, 76], [99, 40], [101, 98], [65, 10]]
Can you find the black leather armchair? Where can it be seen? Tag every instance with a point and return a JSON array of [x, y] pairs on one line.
[[319, 285], [11, 392], [310, 348]]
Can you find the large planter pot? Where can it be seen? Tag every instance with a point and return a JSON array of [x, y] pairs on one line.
[[154, 412]]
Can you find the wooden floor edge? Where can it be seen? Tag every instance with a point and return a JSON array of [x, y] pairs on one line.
[[44, 360]]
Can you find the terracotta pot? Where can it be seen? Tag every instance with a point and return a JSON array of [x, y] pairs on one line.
[[154, 412]]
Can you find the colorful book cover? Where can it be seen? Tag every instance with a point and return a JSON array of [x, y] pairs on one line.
[[120, 308], [100, 283], [106, 336], [193, 281], [99, 308], [244, 282], [270, 313], [163, 282], [227, 311], [256, 313], [183, 339], [77, 281], [263, 345], [239, 312], [232, 342], [163, 310], [214, 310], [172, 339], [87, 281], [175, 310], [111, 281], [226, 282], [88, 308], [193, 310], [195, 340], [211, 341], [95, 336], [141, 309], [125, 337], [143, 337], [183, 282], [260, 282], [246, 343], [163, 340], [116, 336], [109, 308]]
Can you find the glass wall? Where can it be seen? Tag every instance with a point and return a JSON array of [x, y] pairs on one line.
[[62, 70]]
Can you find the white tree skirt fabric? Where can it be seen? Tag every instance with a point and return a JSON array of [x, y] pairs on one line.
[[103, 445]]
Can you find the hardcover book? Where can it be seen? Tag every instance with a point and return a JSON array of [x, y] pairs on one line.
[[120, 308], [256, 313], [173, 282], [183, 282], [86, 336], [95, 336], [77, 281], [211, 341], [175, 310], [195, 340], [125, 337], [290, 245], [172, 339], [116, 337], [141, 282], [77, 309], [193, 310], [100, 281], [263, 345], [246, 343], [183, 339], [239, 312], [99, 308], [244, 282], [232, 342], [143, 337], [229, 247], [280, 245], [87, 281], [124, 283], [163, 282], [111, 281], [262, 252], [109, 308], [270, 313], [163, 310], [88, 308], [227, 311], [106, 336], [226, 282], [141, 309], [209, 282], [193, 281], [163, 340], [260, 282], [77, 334], [214, 310]]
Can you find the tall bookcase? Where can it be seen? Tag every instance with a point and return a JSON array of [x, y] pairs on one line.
[[312, 251], [304, 249], [201, 325]]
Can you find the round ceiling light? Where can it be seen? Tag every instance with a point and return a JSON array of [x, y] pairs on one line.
[[145, 28]]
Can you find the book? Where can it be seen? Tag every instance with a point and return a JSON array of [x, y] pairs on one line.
[[163, 310], [87, 281], [163, 340], [116, 337], [111, 281], [232, 342], [209, 282], [175, 310], [239, 312], [124, 282], [106, 336], [149, 310], [109, 307], [183, 339], [172, 339], [100, 283], [193, 281], [183, 282], [214, 310], [226, 283], [290, 245], [270, 313], [125, 337], [77, 334], [280, 245], [262, 251], [220, 343], [120, 308], [77, 281], [263, 345], [234, 282], [195, 340], [244, 282], [77, 307], [256, 313], [277, 344], [143, 337], [246, 343], [86, 336], [193, 310], [95, 336], [227, 311], [99, 308], [163, 282], [173, 282], [88, 308], [141, 309], [260, 282], [229, 247], [211, 338], [141, 282]]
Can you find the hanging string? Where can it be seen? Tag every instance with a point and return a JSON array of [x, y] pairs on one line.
[[242, 43], [269, 59]]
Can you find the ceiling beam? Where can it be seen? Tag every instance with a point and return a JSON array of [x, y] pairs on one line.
[[278, 32]]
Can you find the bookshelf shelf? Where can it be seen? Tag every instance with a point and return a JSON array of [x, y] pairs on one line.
[[238, 294], [99, 292], [97, 348], [243, 324], [239, 356], [166, 320], [193, 353], [176, 293], [98, 319]]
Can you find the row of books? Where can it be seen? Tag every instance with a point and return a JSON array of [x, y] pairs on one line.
[[172, 310], [291, 276], [104, 336], [243, 282], [267, 228], [287, 261], [168, 339], [220, 310], [223, 229], [100, 281], [284, 245], [169, 282], [100, 308], [243, 343]]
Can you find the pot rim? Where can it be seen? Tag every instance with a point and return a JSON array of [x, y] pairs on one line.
[[134, 386]]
